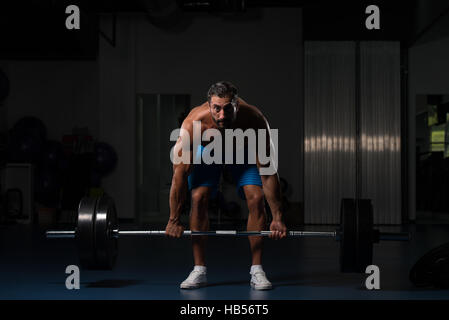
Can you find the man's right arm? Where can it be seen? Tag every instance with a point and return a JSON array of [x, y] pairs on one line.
[[178, 190]]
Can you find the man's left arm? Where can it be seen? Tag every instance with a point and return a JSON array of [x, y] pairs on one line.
[[270, 181], [272, 192]]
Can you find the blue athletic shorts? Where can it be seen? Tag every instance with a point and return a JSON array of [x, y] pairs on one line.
[[209, 175]]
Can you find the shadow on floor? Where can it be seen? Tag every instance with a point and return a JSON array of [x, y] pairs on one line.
[[113, 283], [354, 281], [227, 283]]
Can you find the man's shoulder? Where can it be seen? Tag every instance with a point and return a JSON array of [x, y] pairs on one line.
[[249, 108], [197, 113], [251, 115], [199, 110]]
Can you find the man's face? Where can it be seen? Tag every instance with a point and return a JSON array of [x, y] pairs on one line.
[[223, 111]]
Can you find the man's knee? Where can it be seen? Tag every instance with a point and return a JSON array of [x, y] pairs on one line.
[[256, 203], [200, 200]]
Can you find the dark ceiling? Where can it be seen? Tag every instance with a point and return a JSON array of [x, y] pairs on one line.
[[322, 19], [36, 28]]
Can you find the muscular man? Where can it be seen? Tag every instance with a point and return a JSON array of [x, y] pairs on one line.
[[224, 110]]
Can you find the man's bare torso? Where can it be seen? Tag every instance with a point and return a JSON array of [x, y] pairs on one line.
[[248, 117]]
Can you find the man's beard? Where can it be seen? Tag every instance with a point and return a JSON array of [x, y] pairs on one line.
[[224, 124]]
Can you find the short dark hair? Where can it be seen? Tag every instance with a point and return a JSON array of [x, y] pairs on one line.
[[222, 89]]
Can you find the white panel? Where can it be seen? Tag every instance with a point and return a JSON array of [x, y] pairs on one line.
[[381, 129], [329, 129]]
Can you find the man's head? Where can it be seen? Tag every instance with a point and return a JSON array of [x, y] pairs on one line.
[[223, 103]]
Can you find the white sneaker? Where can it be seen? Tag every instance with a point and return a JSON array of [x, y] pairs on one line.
[[196, 279], [259, 281]]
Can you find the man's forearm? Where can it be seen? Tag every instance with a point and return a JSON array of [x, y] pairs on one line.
[[178, 192], [272, 191]]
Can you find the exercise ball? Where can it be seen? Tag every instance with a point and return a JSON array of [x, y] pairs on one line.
[[52, 156], [30, 126], [105, 158], [47, 187], [24, 149]]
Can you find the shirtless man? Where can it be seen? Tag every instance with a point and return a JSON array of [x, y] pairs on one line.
[[224, 110]]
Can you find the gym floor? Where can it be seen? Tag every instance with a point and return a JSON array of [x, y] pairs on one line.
[[33, 267]]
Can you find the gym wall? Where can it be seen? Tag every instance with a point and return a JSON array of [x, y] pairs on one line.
[[428, 67], [262, 57]]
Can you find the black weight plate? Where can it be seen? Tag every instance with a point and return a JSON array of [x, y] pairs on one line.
[[440, 272], [85, 232], [105, 223], [348, 238], [364, 234], [431, 268]]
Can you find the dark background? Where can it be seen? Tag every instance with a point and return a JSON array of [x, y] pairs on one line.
[[89, 111], [88, 81]]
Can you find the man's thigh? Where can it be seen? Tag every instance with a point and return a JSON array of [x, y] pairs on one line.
[[246, 175]]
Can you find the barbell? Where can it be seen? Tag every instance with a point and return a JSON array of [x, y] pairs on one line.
[[97, 234]]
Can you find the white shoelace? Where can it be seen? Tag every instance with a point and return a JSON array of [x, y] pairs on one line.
[[260, 276], [193, 274]]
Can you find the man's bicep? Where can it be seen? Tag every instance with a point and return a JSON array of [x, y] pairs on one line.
[[266, 157], [184, 157], [263, 141], [182, 151]]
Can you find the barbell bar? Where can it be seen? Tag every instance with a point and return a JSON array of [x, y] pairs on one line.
[[97, 233], [384, 236]]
